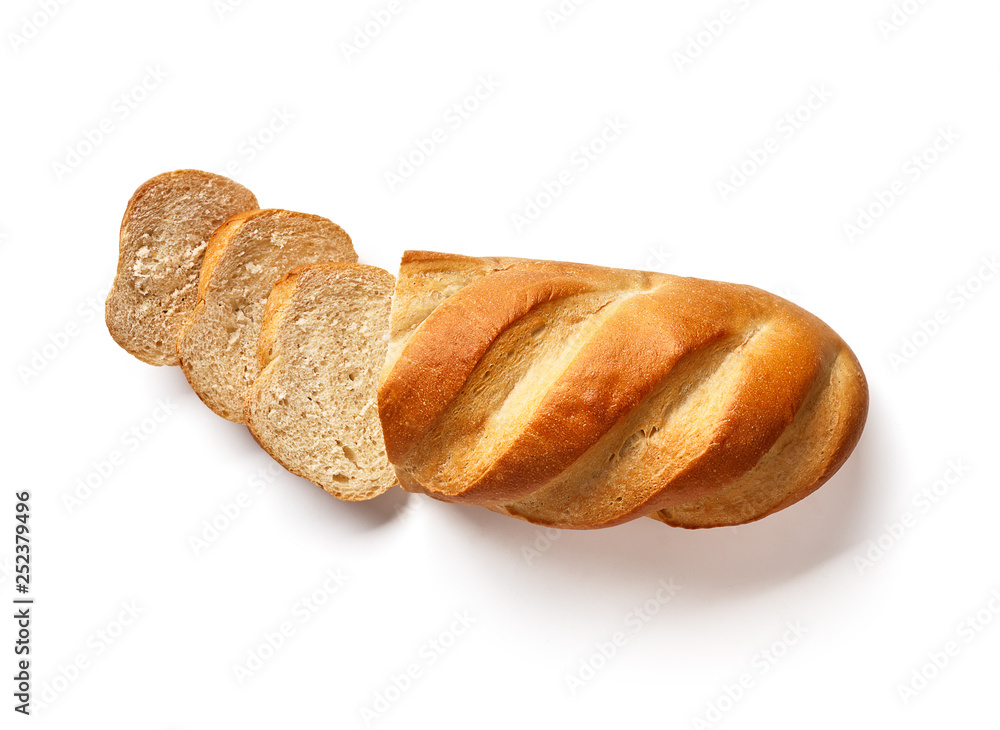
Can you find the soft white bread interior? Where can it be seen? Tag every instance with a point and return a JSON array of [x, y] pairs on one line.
[[217, 346], [164, 234], [313, 407]]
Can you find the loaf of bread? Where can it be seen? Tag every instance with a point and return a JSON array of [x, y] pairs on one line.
[[581, 397], [567, 395], [164, 234]]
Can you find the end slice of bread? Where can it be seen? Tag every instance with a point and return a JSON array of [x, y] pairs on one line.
[[164, 234], [314, 406], [217, 346]]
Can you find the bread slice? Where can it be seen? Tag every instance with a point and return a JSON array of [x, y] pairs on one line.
[[164, 233], [313, 407], [217, 346]]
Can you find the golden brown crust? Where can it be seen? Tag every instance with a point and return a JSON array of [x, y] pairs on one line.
[[580, 396], [808, 453], [435, 365], [277, 305], [218, 244]]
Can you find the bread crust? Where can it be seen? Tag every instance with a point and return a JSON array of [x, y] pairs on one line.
[[669, 393]]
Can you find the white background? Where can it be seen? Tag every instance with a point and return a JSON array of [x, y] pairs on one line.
[[541, 609]]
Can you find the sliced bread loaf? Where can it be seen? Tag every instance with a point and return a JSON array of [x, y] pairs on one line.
[[217, 346], [164, 233], [313, 407]]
